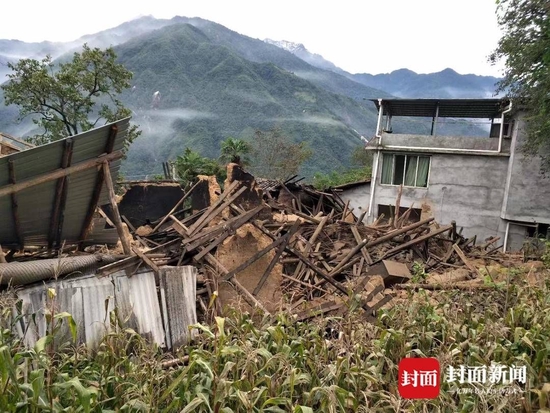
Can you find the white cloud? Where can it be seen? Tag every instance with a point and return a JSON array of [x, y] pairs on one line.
[[367, 36]]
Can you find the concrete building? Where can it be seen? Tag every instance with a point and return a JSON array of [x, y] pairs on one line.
[[358, 196], [484, 183]]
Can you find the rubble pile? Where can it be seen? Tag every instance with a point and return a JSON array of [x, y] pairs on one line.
[[284, 245]]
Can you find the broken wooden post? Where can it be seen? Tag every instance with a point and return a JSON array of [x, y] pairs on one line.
[[178, 288], [116, 215], [2, 258]]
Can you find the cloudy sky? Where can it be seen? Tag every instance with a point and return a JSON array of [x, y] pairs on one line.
[[360, 36]]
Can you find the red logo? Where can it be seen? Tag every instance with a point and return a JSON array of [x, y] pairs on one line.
[[419, 378]]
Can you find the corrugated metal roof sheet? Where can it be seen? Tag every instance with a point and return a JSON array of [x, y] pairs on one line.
[[36, 203], [444, 108], [90, 300]]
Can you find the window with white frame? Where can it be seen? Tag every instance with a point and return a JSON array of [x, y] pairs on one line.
[[406, 170]]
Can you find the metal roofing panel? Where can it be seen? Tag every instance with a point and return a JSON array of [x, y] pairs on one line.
[[90, 300], [35, 204], [444, 108]]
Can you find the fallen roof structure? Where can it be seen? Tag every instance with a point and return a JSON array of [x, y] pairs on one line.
[[48, 194], [10, 144]]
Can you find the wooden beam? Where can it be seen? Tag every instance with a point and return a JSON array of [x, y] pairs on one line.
[[364, 251], [180, 202], [465, 260], [178, 288], [58, 173], [94, 200], [2, 257], [276, 257], [413, 242], [110, 144], [15, 206], [116, 215], [147, 260], [92, 206], [57, 215], [255, 257], [229, 230], [216, 208]]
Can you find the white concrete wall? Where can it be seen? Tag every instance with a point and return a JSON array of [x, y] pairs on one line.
[[358, 197], [465, 188], [528, 190]]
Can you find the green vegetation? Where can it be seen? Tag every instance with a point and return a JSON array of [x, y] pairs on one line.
[[210, 91], [71, 98], [191, 164], [235, 151], [245, 363], [361, 170], [525, 49], [215, 83], [276, 156]]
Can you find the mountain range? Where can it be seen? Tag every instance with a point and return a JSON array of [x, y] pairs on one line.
[[213, 82]]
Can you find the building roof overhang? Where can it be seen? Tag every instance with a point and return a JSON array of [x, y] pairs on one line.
[[443, 108]]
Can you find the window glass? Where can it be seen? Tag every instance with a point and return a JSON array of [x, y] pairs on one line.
[[387, 169], [399, 169], [407, 170]]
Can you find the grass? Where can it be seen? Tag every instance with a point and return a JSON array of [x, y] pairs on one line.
[[251, 363]]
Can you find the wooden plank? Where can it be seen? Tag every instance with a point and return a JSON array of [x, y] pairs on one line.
[[319, 310], [105, 216], [249, 298], [413, 242], [57, 215], [59, 173], [255, 257], [15, 206], [362, 216], [2, 257], [397, 205], [246, 295], [445, 286], [146, 259], [212, 208], [180, 202], [380, 303], [116, 215], [229, 227], [363, 250], [377, 289], [215, 212], [345, 211], [275, 259], [311, 241], [127, 221], [132, 260], [466, 261], [312, 286], [178, 290]]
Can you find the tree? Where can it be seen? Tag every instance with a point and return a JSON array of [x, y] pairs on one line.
[[361, 170], [71, 97], [235, 151], [525, 49], [191, 164], [276, 156]]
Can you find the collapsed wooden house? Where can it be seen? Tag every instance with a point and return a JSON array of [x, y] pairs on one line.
[[253, 245]]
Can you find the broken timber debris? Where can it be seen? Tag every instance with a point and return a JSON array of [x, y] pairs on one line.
[[285, 245]]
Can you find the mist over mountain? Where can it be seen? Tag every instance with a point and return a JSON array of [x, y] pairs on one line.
[[446, 84], [196, 83], [404, 83]]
